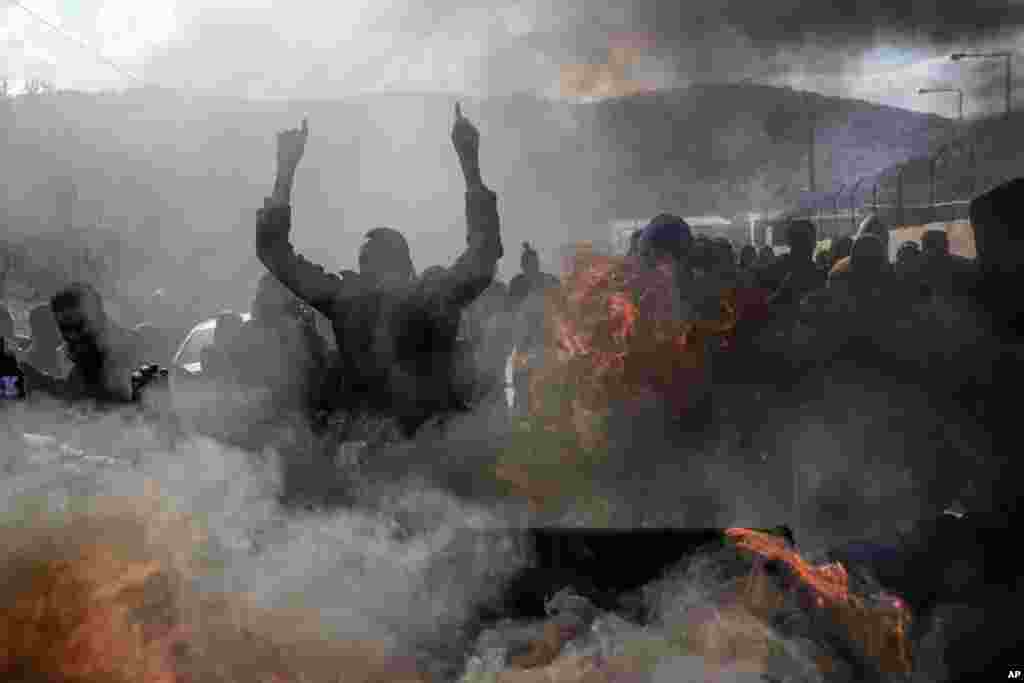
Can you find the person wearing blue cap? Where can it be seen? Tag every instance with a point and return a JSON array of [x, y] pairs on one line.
[[667, 238]]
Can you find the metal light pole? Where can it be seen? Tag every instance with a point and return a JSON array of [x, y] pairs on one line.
[[960, 98], [811, 182], [899, 193], [835, 202], [1008, 56], [932, 163], [853, 200]]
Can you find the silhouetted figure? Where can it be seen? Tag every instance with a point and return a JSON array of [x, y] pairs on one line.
[[872, 225], [277, 350], [218, 360], [103, 354], [747, 263], [795, 274], [823, 259], [907, 255], [489, 338], [396, 335], [765, 255], [748, 256], [532, 279], [841, 249], [941, 272]]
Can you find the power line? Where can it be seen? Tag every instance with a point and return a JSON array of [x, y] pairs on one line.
[[78, 41]]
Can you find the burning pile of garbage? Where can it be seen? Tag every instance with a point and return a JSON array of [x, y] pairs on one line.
[[755, 606]]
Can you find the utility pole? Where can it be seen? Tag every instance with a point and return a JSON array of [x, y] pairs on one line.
[[811, 123], [899, 193], [853, 200]]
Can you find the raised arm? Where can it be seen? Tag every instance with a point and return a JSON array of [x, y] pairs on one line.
[[307, 280], [474, 270]]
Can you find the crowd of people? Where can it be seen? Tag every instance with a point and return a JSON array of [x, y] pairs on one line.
[[412, 349]]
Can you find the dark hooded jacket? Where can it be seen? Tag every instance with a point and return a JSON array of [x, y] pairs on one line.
[[396, 347]]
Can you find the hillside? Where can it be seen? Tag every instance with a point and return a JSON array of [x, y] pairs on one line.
[[184, 175]]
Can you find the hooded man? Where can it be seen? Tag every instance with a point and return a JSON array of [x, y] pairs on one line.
[[102, 353], [397, 337]]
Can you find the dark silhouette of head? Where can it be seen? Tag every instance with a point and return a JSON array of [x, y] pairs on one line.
[[935, 243], [995, 218], [868, 258], [748, 256], [873, 225], [529, 261], [802, 237], [907, 253], [385, 259], [78, 311], [666, 238], [842, 248], [432, 275], [43, 328]]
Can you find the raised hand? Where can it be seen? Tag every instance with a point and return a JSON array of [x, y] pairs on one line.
[[291, 144], [466, 139], [465, 136]]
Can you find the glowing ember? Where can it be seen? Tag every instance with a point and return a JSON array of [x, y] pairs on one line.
[[880, 630], [830, 583]]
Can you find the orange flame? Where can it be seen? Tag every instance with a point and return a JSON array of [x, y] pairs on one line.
[[614, 333], [880, 630]]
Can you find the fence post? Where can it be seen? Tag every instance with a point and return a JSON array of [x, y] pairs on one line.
[[931, 183]]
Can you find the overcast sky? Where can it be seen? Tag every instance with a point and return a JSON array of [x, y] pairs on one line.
[[878, 50]]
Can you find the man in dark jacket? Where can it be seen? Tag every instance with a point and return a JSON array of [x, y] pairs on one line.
[[396, 335], [794, 275], [103, 354]]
